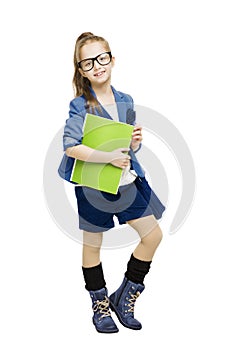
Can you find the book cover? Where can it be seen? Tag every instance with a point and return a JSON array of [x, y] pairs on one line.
[[104, 135]]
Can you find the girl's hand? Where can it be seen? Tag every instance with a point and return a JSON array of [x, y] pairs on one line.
[[136, 137], [120, 157]]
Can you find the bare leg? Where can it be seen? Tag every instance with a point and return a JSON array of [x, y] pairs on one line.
[[150, 234], [91, 248], [95, 283], [137, 268]]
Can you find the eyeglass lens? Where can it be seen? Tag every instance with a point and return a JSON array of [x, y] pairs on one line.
[[103, 59]]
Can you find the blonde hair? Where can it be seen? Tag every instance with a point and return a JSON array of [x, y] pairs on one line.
[[81, 84]]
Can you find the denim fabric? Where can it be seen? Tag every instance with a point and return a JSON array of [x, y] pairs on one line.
[[102, 319], [96, 209], [122, 302], [74, 125], [151, 198]]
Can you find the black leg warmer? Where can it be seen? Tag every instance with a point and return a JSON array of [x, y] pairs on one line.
[[137, 270], [94, 277]]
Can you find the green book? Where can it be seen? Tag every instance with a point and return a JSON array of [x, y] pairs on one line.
[[104, 135]]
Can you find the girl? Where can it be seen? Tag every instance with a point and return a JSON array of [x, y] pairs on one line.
[[135, 203]]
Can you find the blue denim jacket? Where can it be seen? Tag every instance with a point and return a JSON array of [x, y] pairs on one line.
[[74, 125]]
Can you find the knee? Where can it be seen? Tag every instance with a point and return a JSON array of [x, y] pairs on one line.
[[154, 237], [158, 235], [91, 249], [92, 241]]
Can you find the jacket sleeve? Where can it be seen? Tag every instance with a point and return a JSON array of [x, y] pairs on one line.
[[73, 130], [131, 118]]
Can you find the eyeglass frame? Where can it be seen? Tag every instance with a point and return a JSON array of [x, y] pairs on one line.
[[93, 61]]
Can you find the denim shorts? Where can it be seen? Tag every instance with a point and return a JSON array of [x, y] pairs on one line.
[[97, 209]]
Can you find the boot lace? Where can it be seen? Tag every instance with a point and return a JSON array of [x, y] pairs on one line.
[[132, 300], [102, 307]]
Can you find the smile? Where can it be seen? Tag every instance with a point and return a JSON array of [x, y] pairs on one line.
[[99, 74]]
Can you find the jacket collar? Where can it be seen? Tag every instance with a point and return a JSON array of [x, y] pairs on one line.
[[119, 97], [121, 106]]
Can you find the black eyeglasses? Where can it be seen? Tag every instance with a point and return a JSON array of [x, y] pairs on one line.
[[103, 59]]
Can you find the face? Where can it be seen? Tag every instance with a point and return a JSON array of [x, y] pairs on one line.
[[98, 74]]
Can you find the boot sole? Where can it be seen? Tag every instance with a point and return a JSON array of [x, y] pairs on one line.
[[110, 332], [107, 332], [116, 330], [120, 320]]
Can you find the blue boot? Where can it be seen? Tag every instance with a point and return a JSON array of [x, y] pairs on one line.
[[122, 302], [102, 318]]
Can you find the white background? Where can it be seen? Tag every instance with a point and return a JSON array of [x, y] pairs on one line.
[[177, 57]]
